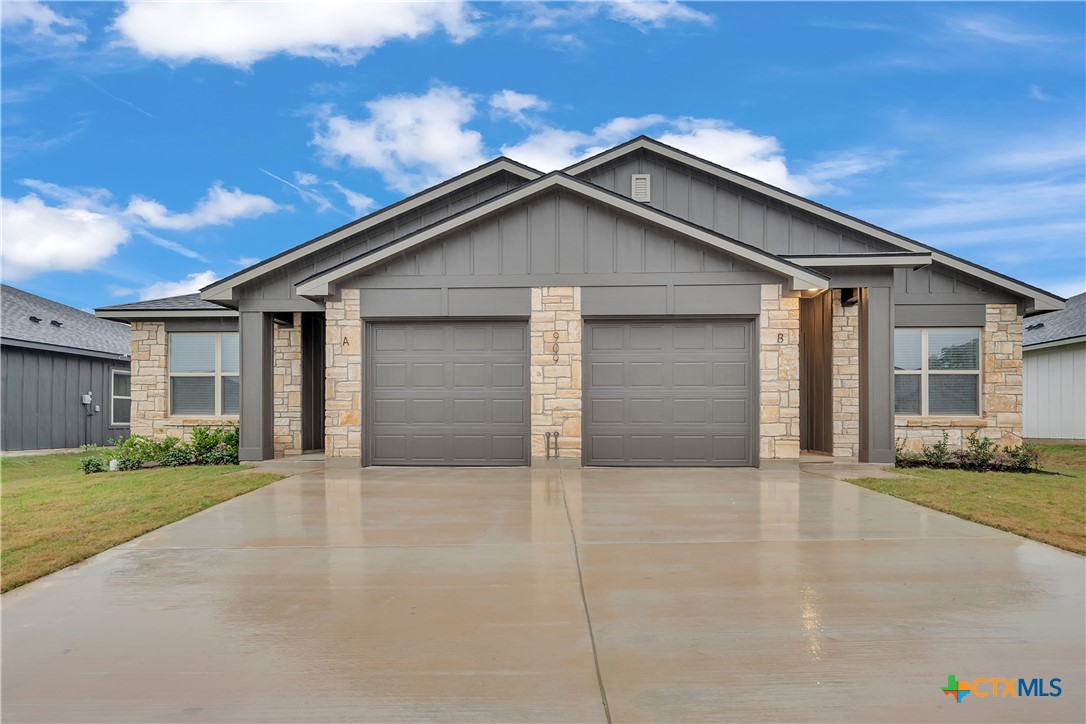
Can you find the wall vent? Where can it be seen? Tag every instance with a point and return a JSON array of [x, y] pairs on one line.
[[641, 184]]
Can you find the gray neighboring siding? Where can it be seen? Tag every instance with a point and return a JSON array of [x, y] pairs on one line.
[[1054, 392], [279, 286], [731, 210], [561, 239], [40, 395]]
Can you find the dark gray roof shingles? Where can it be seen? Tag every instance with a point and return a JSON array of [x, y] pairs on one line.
[[78, 329], [185, 302], [1067, 323]]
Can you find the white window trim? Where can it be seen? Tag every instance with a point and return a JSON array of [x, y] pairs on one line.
[[923, 373], [218, 374], [114, 396]]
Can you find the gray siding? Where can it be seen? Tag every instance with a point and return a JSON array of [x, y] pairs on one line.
[[940, 285], [280, 285], [730, 209], [40, 393], [556, 239]]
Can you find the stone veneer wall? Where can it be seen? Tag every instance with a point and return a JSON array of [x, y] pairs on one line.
[[1001, 402], [556, 383], [845, 370], [287, 387], [779, 373], [151, 387], [343, 376]]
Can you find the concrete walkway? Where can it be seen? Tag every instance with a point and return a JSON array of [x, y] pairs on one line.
[[551, 595]]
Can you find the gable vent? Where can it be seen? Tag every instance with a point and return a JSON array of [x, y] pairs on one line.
[[641, 184]]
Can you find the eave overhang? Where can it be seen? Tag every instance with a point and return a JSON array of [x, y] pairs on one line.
[[121, 315], [798, 276], [222, 291], [905, 259], [1039, 299]]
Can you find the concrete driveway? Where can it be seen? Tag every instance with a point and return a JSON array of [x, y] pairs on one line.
[[546, 595]]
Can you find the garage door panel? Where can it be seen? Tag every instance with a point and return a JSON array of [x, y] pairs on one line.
[[668, 393], [448, 394], [509, 374]]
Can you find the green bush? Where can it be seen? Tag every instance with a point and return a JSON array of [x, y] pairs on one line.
[[180, 453], [979, 454], [215, 446], [92, 464], [937, 455]]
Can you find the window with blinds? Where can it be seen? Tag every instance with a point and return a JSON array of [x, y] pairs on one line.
[[204, 373], [937, 371]]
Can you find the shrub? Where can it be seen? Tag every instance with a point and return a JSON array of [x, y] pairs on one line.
[[92, 464], [904, 458], [215, 446], [179, 453], [980, 452], [937, 455], [1024, 456]]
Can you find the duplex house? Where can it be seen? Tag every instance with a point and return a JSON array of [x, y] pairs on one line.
[[643, 307]]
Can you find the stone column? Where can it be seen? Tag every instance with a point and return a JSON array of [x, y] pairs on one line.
[[556, 369], [343, 376], [256, 386], [1002, 381], [778, 362], [150, 377], [845, 371], [287, 387]]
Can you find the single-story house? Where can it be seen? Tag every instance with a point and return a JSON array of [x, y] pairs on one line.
[[1054, 353], [641, 307], [64, 375]]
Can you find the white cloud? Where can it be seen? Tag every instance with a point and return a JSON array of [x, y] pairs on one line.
[[242, 33], [997, 29], [69, 237], [359, 202], [1036, 93], [514, 105], [712, 139], [245, 261], [412, 141], [310, 195], [1065, 287], [43, 23], [189, 285], [220, 206], [654, 13], [642, 14]]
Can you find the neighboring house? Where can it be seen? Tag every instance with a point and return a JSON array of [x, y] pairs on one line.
[[1054, 351], [642, 307], [52, 357]]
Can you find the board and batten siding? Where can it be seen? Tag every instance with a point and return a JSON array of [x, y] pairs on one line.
[[280, 285], [40, 393], [562, 235], [730, 210], [1054, 393]]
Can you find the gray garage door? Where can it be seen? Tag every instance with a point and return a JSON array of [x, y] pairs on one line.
[[448, 394], [669, 393]]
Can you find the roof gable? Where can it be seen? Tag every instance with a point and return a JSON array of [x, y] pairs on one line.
[[1041, 300], [224, 289], [321, 284]]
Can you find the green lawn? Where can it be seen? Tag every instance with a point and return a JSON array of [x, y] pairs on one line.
[[52, 515], [1047, 508]]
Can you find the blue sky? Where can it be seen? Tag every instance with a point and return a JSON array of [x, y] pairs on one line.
[[149, 148]]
